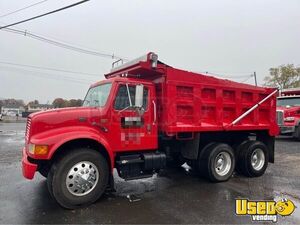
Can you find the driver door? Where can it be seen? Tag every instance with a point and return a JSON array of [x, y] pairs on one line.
[[133, 129]]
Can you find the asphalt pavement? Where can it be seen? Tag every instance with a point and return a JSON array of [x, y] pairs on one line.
[[174, 196]]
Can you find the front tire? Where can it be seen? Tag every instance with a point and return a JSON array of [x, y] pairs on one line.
[[44, 170], [217, 162], [78, 178], [252, 159], [297, 133]]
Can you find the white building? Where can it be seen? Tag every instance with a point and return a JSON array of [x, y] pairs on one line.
[[11, 111], [38, 107]]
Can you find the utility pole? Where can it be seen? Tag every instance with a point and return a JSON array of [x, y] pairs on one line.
[[255, 78]]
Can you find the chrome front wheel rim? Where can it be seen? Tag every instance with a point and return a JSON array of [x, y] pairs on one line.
[[257, 159], [223, 163], [82, 178]]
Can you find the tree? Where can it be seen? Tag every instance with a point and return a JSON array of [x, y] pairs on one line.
[[11, 102], [62, 103], [59, 103], [35, 102], [74, 102], [284, 76]]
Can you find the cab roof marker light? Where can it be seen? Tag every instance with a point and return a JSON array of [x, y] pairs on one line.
[[150, 56], [154, 59]]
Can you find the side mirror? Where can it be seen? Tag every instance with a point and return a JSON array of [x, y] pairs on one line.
[[139, 96]]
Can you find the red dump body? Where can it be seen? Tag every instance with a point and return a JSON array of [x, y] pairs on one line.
[[193, 102]]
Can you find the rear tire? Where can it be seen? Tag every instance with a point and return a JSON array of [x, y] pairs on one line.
[[252, 159], [194, 164], [217, 162], [78, 178]]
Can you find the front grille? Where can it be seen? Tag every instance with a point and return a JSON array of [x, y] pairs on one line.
[[279, 117], [27, 129]]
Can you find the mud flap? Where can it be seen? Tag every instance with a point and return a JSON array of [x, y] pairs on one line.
[[111, 184], [190, 148], [269, 141]]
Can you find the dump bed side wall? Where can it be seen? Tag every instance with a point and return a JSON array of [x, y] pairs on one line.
[[189, 102]]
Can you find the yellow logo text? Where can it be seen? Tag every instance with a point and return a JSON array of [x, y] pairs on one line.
[[264, 210]]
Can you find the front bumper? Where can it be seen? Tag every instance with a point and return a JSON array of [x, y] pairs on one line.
[[287, 129], [28, 168]]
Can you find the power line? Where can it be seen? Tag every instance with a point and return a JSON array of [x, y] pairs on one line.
[[49, 68], [247, 78], [225, 75], [42, 74], [62, 45], [45, 14], [18, 10], [48, 76], [233, 77], [231, 72]]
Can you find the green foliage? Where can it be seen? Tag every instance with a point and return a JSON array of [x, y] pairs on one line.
[[62, 103], [284, 76], [35, 102], [11, 102], [59, 103]]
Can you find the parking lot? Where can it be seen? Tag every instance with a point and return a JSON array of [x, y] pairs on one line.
[[174, 196]]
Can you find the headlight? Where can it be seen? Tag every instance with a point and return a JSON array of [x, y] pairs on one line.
[[38, 149], [289, 119]]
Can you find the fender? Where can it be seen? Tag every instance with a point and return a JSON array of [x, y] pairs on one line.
[[57, 137], [274, 130]]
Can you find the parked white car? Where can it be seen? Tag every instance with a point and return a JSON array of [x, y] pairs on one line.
[[11, 113]]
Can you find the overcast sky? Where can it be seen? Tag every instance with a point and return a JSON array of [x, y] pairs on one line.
[[229, 37]]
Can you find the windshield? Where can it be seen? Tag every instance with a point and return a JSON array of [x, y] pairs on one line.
[[288, 101], [97, 96]]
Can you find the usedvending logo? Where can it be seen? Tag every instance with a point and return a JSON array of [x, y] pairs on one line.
[[264, 210]]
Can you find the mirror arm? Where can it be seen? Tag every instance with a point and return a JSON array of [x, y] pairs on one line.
[[129, 97], [125, 109], [154, 112]]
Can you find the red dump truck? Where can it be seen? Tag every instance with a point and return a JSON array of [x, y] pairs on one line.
[[147, 115], [288, 112]]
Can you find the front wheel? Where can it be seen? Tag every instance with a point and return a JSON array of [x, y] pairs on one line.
[[297, 133], [44, 170], [78, 178]]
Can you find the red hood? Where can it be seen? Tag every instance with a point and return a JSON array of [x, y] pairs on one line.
[[58, 118], [57, 110], [290, 111]]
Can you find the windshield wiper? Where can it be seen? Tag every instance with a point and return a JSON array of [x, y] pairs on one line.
[[96, 102], [85, 101]]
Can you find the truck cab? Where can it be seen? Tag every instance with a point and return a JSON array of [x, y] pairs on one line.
[[128, 112], [288, 112]]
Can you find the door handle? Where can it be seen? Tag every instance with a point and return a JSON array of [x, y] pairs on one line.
[[148, 128], [104, 129], [154, 109]]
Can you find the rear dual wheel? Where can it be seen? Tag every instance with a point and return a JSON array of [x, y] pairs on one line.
[[252, 158], [216, 162]]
